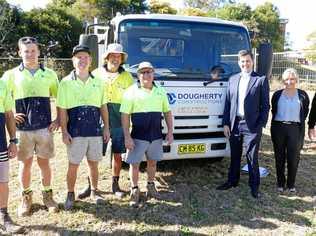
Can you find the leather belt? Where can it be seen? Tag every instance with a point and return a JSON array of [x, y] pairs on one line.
[[287, 122], [240, 117]]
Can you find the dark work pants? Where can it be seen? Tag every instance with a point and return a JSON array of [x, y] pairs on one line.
[[286, 140], [242, 137]]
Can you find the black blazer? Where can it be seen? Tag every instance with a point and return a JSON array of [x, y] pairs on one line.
[[312, 114], [256, 103], [304, 101]]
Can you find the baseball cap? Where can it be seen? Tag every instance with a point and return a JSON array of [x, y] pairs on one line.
[[80, 48]]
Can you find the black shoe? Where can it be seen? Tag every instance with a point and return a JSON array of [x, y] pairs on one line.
[[226, 185], [255, 194], [115, 184], [116, 188], [85, 192], [70, 201]]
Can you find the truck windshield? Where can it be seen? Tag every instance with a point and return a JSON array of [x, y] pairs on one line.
[[188, 48]]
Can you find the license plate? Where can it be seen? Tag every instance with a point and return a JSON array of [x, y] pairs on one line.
[[191, 148]]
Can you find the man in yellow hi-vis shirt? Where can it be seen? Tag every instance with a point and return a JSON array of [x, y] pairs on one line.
[[6, 152], [142, 105], [116, 80], [32, 84], [82, 102]]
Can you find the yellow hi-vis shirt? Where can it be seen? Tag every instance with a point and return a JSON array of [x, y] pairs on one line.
[[83, 101], [146, 108], [32, 95], [6, 104], [114, 90]]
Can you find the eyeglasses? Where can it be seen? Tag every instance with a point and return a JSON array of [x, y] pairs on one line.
[[146, 72], [28, 40]]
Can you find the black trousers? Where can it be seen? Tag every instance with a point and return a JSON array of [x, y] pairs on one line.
[[286, 139], [241, 137]]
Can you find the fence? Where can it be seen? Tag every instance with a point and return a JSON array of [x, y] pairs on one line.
[[295, 59], [281, 61], [62, 66]]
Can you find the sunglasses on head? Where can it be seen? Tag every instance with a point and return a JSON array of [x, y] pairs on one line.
[[27, 40]]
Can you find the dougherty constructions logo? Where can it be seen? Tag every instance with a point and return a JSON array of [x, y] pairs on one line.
[[197, 98], [172, 98]]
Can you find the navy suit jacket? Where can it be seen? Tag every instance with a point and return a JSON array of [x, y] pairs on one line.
[[256, 103]]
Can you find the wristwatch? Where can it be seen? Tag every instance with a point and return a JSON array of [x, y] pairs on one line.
[[14, 140]]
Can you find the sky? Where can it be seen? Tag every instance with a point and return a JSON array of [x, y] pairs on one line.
[[300, 13]]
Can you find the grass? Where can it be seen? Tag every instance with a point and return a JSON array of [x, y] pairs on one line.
[[189, 203]]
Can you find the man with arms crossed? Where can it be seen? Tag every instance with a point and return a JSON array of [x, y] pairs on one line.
[[32, 84], [143, 104], [82, 102]]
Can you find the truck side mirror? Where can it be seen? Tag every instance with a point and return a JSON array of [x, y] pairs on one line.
[[265, 59], [91, 40]]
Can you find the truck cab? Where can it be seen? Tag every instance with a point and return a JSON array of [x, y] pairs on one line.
[[184, 50]]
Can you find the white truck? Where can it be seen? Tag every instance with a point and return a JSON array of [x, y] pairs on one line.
[[183, 50]]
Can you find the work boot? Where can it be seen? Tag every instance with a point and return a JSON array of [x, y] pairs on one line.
[[9, 226], [85, 192], [151, 190], [25, 207], [70, 201], [96, 197], [115, 187], [134, 197], [49, 202]]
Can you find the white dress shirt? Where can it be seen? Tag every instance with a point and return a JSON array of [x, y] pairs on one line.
[[242, 90]]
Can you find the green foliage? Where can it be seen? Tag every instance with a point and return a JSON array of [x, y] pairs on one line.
[[52, 24], [311, 38], [269, 30], [161, 7], [264, 22], [9, 18], [190, 11], [206, 5], [63, 3], [104, 10]]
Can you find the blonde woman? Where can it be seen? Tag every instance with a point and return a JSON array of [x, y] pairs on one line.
[[289, 111]]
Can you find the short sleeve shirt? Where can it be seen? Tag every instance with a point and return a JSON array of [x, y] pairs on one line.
[[6, 104], [146, 108], [32, 95], [115, 87], [83, 101]]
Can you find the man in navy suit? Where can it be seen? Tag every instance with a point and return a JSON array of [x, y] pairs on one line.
[[245, 114]]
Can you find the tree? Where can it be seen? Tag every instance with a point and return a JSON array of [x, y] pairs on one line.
[[162, 7], [85, 10], [106, 9], [190, 11], [52, 24], [9, 18], [264, 22], [62, 3], [237, 12], [311, 38], [206, 5], [269, 28]]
